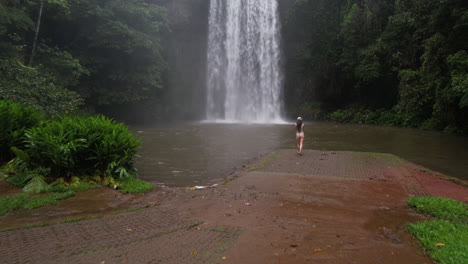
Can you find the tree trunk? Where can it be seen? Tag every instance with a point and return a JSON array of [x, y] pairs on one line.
[[33, 51]]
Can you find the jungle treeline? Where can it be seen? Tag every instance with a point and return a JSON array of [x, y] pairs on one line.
[[105, 51], [390, 62]]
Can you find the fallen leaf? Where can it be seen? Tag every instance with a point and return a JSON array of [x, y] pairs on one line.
[[194, 252], [440, 245], [318, 250]]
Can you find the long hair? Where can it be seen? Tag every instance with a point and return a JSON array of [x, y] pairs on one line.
[[299, 125]]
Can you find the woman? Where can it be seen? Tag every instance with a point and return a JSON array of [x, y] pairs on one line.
[[299, 134]]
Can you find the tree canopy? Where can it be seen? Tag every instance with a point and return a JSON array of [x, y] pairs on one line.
[[109, 52], [405, 55]]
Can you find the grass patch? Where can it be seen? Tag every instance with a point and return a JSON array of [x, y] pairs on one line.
[[445, 242], [135, 186], [265, 162], [71, 220], [442, 208], [68, 220], [457, 181], [220, 228], [30, 201], [8, 229], [127, 211], [445, 239], [228, 180], [38, 225], [390, 159]]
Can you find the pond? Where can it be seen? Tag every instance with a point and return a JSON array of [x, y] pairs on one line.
[[188, 154]]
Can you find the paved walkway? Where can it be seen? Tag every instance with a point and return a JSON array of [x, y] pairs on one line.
[[323, 207]]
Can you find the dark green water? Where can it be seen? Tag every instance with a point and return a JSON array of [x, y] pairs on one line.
[[191, 154]]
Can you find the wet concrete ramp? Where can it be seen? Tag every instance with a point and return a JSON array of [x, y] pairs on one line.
[[322, 207], [151, 235], [362, 165]]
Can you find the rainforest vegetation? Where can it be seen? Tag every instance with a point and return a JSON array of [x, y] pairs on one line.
[[58, 57], [387, 62], [390, 62]]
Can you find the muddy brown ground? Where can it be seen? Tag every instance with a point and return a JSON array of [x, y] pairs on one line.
[[323, 207]]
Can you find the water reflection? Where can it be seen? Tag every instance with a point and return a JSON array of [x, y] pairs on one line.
[[198, 153]]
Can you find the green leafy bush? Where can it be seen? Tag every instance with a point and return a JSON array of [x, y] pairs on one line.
[[80, 146], [26, 85], [14, 120]]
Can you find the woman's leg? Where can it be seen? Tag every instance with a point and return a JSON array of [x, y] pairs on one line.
[[298, 140], [301, 143]]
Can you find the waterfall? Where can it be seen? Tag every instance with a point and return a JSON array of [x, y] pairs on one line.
[[243, 74]]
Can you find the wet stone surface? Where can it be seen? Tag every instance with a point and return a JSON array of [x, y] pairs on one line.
[[323, 207]]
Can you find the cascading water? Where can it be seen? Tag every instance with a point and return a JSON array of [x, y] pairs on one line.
[[244, 77]]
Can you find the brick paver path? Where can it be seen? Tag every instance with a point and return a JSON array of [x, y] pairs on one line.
[[163, 235], [372, 166]]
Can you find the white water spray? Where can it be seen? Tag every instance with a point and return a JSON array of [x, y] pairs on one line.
[[244, 78]]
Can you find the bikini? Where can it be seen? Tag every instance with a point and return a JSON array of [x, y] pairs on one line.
[[300, 134]]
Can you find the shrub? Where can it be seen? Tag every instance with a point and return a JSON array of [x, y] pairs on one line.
[[14, 120], [80, 146]]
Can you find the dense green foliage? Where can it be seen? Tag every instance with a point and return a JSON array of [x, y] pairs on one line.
[[27, 85], [407, 60], [71, 153], [446, 240], [392, 62], [77, 146], [109, 52], [14, 120]]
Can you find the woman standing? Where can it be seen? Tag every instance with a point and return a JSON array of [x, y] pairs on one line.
[[299, 135]]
